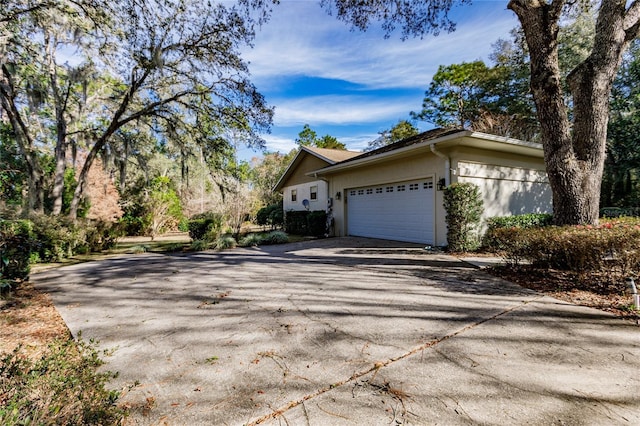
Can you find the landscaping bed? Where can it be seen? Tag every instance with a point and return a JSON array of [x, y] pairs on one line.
[[598, 291]]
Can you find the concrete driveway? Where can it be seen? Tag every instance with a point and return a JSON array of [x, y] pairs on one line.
[[345, 331]]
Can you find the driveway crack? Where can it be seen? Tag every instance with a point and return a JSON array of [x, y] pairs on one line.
[[381, 364]]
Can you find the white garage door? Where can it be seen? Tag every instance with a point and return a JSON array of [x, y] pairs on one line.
[[401, 211]]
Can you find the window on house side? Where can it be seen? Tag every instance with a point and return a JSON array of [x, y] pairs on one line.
[[294, 195], [314, 193]]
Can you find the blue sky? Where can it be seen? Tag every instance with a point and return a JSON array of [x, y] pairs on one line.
[[314, 70]]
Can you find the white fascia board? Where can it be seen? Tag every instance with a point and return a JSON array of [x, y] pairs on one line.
[[503, 139], [396, 152], [388, 154]]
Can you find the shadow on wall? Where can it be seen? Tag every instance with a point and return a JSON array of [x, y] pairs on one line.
[[514, 197], [535, 197]]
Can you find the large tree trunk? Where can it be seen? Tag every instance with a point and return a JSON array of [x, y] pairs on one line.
[[25, 144], [574, 154], [58, 178], [60, 151]]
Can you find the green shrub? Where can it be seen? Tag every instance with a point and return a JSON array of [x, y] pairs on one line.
[[57, 237], [611, 247], [132, 225], [276, 216], [306, 223], [275, 237], [531, 220], [271, 215], [200, 245], [101, 235], [464, 208], [317, 223], [251, 240], [206, 226], [16, 244], [60, 388], [183, 226], [225, 242]]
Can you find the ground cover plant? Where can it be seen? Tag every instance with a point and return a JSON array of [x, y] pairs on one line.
[[47, 378], [60, 387]]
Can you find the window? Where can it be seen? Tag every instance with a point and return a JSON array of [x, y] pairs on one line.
[[294, 195], [352, 193], [314, 193], [378, 190], [389, 188], [360, 191], [428, 185], [414, 187], [369, 191], [401, 188]]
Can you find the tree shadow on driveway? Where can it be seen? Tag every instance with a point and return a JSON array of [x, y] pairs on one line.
[[231, 337]]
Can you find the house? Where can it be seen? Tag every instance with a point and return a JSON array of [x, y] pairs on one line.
[[395, 192], [300, 189]]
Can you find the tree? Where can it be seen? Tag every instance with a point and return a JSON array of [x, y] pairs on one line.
[[163, 210], [455, 95], [330, 142], [622, 165], [12, 170], [574, 144], [401, 130], [42, 98], [308, 137], [265, 173], [158, 64]]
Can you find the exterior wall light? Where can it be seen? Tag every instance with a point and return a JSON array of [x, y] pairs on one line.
[[338, 195], [441, 184]]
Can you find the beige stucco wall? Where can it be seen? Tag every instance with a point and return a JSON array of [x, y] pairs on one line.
[[418, 165], [510, 183], [304, 193], [307, 164], [299, 181]]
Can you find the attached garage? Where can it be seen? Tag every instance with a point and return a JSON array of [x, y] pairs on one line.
[[394, 192], [401, 211]]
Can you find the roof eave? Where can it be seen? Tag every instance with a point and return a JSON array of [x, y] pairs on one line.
[[303, 149], [517, 145], [389, 154]]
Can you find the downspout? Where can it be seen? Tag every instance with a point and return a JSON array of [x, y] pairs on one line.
[[447, 182], [447, 164]]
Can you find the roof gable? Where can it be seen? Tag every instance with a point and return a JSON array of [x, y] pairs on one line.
[[312, 158]]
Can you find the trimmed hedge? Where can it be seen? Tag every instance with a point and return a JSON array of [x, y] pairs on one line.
[[612, 247], [521, 221], [464, 207], [305, 222]]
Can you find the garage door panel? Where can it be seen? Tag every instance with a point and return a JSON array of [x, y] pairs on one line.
[[400, 211]]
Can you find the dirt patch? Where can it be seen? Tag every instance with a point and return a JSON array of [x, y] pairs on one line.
[[28, 318]]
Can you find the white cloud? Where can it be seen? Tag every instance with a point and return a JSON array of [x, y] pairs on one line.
[[336, 109], [303, 40], [279, 143]]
